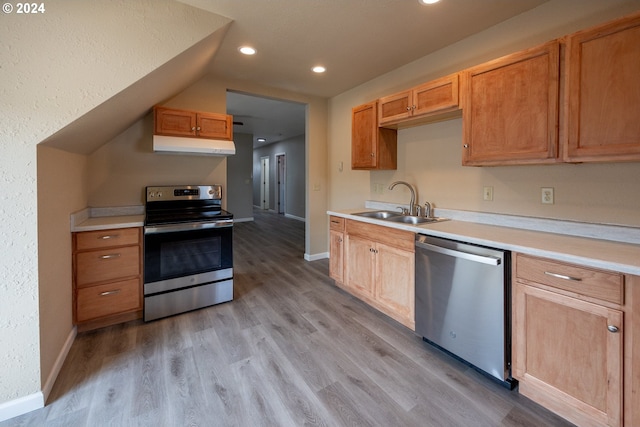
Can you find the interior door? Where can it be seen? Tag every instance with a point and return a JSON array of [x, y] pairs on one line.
[[281, 180], [264, 183]]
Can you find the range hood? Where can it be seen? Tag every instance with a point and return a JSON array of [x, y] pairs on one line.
[[180, 145]]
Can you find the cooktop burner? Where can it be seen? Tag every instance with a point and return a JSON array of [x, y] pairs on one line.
[[183, 204]]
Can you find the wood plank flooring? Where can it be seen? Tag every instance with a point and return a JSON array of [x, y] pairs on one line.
[[290, 350]]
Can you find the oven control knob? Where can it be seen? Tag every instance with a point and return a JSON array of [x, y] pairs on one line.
[[151, 194], [159, 193]]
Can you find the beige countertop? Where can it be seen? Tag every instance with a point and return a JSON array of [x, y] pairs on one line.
[[600, 253], [92, 219], [110, 222]]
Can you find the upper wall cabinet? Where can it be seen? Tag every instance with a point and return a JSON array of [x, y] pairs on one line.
[[371, 147], [422, 102], [603, 93], [510, 109], [193, 124]]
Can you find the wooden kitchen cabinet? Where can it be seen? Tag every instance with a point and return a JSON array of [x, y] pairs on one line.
[[510, 109], [107, 277], [171, 122], [379, 268], [372, 147], [568, 339], [603, 92], [426, 100], [336, 248]]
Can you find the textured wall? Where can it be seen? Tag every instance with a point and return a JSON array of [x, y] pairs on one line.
[[55, 67]]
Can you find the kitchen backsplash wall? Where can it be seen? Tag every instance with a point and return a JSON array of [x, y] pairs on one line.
[[119, 170]]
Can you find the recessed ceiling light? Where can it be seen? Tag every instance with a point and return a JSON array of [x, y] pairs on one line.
[[261, 140], [247, 50], [428, 1], [318, 69]]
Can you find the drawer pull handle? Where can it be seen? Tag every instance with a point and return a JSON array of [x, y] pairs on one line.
[[612, 328], [110, 256], [562, 276], [104, 294], [109, 236]]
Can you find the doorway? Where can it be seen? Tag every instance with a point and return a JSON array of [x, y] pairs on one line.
[[281, 182], [264, 183]]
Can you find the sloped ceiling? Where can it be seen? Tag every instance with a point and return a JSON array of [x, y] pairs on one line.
[[110, 118]]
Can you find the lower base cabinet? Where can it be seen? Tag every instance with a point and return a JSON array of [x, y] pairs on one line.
[[379, 268], [107, 277], [573, 334]]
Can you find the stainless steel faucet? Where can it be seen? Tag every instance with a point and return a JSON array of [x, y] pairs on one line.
[[412, 203]]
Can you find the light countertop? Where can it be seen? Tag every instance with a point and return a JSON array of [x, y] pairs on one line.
[[110, 222], [600, 253], [92, 219]]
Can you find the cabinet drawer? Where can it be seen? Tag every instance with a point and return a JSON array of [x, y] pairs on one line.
[[107, 238], [107, 264], [104, 300], [336, 223], [391, 236], [600, 284]]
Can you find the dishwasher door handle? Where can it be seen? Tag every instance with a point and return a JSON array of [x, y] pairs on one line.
[[459, 254]]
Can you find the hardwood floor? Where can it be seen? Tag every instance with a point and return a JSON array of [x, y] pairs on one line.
[[290, 350]]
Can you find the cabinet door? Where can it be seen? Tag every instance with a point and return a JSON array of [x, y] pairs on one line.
[[175, 122], [371, 147], [395, 284], [217, 126], [336, 255], [604, 92], [565, 356], [359, 265], [437, 96], [395, 107], [510, 109]]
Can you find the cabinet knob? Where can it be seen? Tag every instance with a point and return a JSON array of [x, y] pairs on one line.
[[198, 128], [408, 108], [193, 128], [373, 155], [466, 145], [612, 328]]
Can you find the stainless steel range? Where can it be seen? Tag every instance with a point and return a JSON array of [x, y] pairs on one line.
[[188, 254]]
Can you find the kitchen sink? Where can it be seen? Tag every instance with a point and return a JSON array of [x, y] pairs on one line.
[[398, 217], [379, 214], [410, 219]]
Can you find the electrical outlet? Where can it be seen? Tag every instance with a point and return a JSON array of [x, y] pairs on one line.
[[487, 194], [547, 195]]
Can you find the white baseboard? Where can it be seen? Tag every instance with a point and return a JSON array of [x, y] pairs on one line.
[[57, 366], [22, 405], [32, 402], [294, 217], [316, 257]]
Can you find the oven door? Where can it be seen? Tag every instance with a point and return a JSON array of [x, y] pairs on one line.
[[181, 250]]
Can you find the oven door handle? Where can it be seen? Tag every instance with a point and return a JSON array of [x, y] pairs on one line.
[[170, 228]]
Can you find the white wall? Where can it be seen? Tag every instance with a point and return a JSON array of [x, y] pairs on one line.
[[293, 148], [56, 67], [239, 170], [429, 156]]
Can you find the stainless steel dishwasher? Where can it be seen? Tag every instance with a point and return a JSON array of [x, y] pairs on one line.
[[463, 303]]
